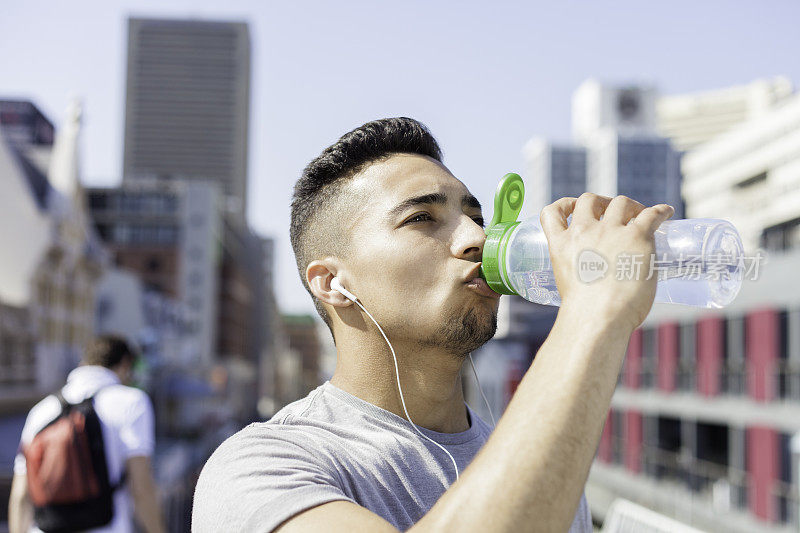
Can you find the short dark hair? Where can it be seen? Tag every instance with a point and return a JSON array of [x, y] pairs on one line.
[[108, 351], [316, 191]]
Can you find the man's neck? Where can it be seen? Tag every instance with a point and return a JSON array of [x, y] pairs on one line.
[[431, 381]]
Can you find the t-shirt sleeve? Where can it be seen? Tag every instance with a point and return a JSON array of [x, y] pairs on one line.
[[261, 477], [137, 430]]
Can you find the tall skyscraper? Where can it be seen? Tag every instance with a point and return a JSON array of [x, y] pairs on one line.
[[187, 103]]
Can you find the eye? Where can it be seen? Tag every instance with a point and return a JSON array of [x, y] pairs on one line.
[[479, 221], [419, 217]]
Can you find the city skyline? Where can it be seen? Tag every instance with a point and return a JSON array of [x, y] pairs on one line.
[[475, 77]]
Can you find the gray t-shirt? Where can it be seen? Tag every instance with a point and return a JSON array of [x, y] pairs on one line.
[[330, 446]]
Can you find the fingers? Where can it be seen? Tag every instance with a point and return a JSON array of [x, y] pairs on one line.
[[554, 216], [650, 218], [622, 209], [590, 207]]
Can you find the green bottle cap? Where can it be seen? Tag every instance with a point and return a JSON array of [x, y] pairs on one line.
[[507, 205]]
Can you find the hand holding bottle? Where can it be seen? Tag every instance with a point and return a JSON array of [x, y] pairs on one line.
[[698, 261], [626, 227]]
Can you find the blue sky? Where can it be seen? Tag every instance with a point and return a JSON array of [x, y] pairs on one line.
[[483, 76]]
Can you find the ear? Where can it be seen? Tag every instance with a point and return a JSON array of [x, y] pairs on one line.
[[319, 274]]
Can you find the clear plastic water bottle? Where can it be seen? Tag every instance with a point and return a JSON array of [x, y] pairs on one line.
[[697, 262]]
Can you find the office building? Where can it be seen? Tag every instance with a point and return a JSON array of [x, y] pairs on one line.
[[692, 119], [168, 233], [702, 425], [750, 175], [187, 104], [708, 401], [554, 170], [617, 151], [625, 155], [175, 236]]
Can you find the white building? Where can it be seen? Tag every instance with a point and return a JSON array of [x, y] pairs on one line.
[[50, 257], [24, 190], [626, 109], [750, 175], [694, 118]]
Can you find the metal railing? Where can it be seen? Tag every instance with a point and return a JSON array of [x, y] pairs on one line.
[[787, 380], [734, 377], [686, 376], [722, 486]]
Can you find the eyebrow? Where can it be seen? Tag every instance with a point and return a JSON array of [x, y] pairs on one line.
[[436, 198]]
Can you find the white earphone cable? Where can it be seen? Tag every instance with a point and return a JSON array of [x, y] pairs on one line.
[[400, 389]]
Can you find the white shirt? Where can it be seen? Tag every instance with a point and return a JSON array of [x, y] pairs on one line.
[[126, 418]]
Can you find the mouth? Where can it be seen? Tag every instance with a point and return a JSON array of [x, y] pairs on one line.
[[480, 286], [476, 283]]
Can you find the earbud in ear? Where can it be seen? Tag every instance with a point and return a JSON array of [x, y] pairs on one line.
[[335, 285]]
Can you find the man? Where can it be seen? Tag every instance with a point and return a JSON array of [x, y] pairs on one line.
[[126, 418], [381, 214]]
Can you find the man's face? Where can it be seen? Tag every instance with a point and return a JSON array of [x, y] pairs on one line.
[[415, 243]]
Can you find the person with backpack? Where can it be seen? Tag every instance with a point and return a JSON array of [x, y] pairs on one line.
[[85, 452]]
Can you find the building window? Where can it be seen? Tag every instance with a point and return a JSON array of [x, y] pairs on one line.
[[687, 365], [787, 503], [786, 372], [98, 201], [753, 180], [617, 437], [712, 454], [152, 286], [649, 362], [734, 369], [792, 342], [122, 234], [668, 449], [153, 264], [783, 236]]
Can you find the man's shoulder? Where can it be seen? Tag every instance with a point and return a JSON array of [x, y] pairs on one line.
[[262, 439], [295, 432], [253, 458], [271, 466], [120, 404]]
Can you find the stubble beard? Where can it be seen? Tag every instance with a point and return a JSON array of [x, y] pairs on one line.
[[461, 334]]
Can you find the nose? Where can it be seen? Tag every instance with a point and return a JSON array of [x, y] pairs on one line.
[[468, 240]]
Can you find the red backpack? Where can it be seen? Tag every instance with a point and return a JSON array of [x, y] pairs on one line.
[[67, 471]]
